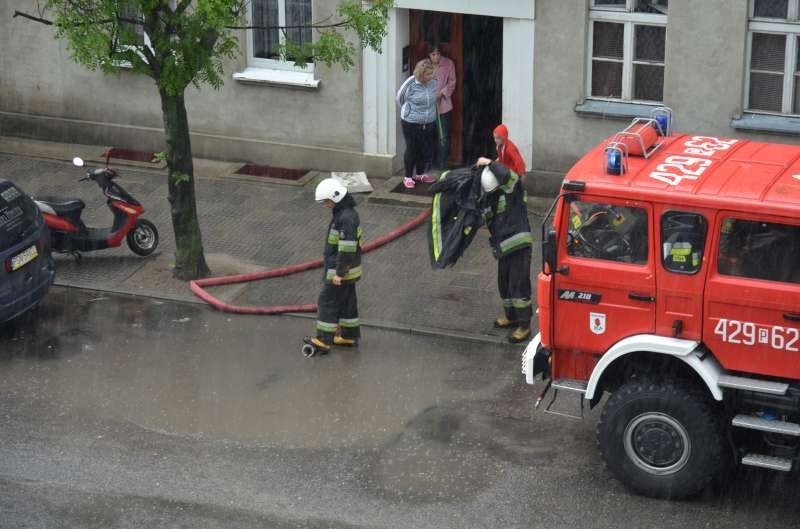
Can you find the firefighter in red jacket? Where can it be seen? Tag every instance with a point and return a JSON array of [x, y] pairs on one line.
[[506, 216]]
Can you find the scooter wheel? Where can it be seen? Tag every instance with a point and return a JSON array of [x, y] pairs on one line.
[[143, 238], [309, 350]]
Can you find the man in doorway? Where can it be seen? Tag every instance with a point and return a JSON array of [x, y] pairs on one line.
[[445, 75]]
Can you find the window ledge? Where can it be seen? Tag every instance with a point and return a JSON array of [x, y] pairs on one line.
[[615, 109], [277, 77], [767, 123]]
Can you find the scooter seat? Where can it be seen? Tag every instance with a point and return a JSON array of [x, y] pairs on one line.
[[63, 207]]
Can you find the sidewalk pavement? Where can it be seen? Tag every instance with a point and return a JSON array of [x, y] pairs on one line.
[[251, 223]]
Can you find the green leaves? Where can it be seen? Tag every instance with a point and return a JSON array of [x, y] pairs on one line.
[[369, 24], [181, 178], [332, 48], [175, 43], [182, 42], [332, 44]]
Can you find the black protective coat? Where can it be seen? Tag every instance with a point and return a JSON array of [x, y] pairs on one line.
[[506, 213], [455, 216]]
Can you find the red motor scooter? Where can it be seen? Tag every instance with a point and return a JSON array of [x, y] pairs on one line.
[[69, 234]]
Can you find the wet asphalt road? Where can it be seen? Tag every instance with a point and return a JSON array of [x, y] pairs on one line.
[[121, 412]]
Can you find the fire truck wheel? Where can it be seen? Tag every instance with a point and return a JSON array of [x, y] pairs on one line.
[[661, 439]]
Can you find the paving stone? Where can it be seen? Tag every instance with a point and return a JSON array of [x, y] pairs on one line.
[[266, 225]]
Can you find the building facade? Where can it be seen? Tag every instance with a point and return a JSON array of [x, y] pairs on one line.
[[562, 74]]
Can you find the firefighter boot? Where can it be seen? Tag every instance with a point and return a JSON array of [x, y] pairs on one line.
[[519, 335], [347, 342], [502, 323], [320, 346]]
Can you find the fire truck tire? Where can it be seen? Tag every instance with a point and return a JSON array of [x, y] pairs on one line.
[[661, 439]]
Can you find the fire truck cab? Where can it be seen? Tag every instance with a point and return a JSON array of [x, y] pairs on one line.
[[671, 281]]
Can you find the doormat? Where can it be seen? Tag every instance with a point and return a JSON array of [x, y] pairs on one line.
[[272, 172], [131, 155], [422, 190]]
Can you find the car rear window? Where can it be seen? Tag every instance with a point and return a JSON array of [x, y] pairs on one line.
[[18, 215]]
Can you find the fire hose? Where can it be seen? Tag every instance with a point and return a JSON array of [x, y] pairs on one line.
[[198, 286]]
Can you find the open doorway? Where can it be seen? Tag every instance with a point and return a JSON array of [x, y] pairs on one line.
[[475, 45], [483, 85]]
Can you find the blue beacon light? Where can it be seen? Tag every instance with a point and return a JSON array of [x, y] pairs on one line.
[[663, 123], [613, 161]]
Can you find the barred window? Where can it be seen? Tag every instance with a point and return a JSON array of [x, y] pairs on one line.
[[627, 49], [773, 57]]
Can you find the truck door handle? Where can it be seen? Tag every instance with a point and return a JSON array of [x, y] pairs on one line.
[[791, 316], [641, 297]]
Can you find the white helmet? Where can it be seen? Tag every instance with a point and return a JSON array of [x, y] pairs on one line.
[[488, 180], [330, 189]]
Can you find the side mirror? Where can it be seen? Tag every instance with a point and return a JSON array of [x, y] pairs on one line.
[[549, 246], [77, 162]]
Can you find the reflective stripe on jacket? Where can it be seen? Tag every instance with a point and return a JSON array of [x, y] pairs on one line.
[[506, 213], [343, 243]]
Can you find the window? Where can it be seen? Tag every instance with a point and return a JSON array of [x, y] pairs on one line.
[[759, 250], [626, 49], [773, 57], [137, 33], [133, 36], [683, 238], [609, 232], [264, 44]]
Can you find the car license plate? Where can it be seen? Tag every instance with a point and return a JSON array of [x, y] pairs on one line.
[[21, 259]]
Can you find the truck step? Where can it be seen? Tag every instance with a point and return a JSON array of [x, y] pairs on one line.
[[753, 384], [770, 462], [568, 384], [766, 425]]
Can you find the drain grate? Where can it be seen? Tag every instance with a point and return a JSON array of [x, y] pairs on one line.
[[272, 172], [130, 154]]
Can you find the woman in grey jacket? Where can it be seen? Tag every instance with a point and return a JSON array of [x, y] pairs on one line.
[[417, 100]]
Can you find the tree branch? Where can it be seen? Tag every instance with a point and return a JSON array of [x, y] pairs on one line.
[[182, 6], [209, 40], [46, 22], [299, 26], [32, 17]]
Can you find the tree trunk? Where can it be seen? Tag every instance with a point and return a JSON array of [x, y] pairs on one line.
[[190, 262]]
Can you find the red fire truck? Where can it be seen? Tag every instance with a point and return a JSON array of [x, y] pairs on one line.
[[671, 281]]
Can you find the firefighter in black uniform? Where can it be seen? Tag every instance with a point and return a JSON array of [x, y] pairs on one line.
[[338, 306], [506, 216]]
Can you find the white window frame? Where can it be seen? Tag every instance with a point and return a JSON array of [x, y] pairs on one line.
[[272, 64], [145, 42], [626, 16], [790, 28]]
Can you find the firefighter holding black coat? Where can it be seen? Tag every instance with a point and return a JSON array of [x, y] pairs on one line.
[[338, 305], [506, 215]]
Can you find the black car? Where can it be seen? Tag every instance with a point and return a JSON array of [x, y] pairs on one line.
[[26, 269]]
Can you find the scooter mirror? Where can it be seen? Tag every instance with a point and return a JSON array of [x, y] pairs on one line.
[[77, 162]]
